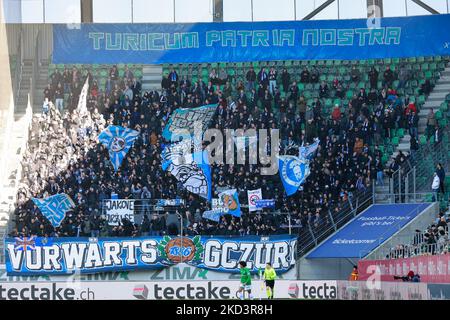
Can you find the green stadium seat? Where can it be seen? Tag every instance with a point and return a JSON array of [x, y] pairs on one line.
[[431, 139], [138, 73], [349, 94], [422, 140], [421, 99], [395, 141]]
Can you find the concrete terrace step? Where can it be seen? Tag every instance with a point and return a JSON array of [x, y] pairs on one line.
[[438, 95], [151, 77], [147, 78]]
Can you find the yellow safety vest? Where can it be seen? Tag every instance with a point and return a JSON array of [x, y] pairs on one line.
[[270, 274]]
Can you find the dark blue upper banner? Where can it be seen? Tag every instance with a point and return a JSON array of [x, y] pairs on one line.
[[252, 41]]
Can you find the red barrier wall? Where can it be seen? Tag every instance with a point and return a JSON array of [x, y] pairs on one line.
[[432, 269]]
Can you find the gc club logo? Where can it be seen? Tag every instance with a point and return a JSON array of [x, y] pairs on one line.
[[179, 249]]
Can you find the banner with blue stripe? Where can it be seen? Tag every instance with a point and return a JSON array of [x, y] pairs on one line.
[[348, 39]]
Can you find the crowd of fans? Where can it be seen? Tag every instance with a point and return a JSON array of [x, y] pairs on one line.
[[432, 241], [64, 156]]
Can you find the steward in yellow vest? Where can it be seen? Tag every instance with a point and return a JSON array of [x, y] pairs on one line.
[[269, 278]]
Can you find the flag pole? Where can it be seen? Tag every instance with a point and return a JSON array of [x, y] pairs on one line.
[[262, 284]]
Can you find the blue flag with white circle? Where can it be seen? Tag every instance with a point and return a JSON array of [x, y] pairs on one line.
[[293, 172], [118, 140]]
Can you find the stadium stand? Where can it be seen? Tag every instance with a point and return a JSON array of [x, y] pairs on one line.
[[359, 114], [432, 241]]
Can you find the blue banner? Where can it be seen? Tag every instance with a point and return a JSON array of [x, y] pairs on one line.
[[54, 208], [92, 255], [252, 41], [265, 203], [293, 172], [369, 230], [169, 202], [118, 140]]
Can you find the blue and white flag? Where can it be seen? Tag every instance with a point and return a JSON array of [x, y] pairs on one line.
[[230, 201], [265, 203], [213, 214], [293, 172], [118, 140], [308, 151], [184, 121], [54, 208], [192, 169]]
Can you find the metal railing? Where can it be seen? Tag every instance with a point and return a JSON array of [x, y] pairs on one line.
[[415, 175], [413, 197], [412, 245], [314, 234], [415, 250], [151, 207]]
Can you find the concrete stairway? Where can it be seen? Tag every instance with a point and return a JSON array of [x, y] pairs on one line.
[[433, 101], [40, 82], [151, 77], [436, 97]]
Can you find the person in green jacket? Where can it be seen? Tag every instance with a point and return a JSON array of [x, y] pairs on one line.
[[246, 281], [269, 279]]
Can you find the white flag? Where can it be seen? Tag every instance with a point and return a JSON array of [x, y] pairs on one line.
[[253, 195], [81, 108]]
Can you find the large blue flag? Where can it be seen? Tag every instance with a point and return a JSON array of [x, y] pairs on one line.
[[54, 208], [230, 202], [184, 121], [293, 172], [308, 151], [118, 140], [192, 169]]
